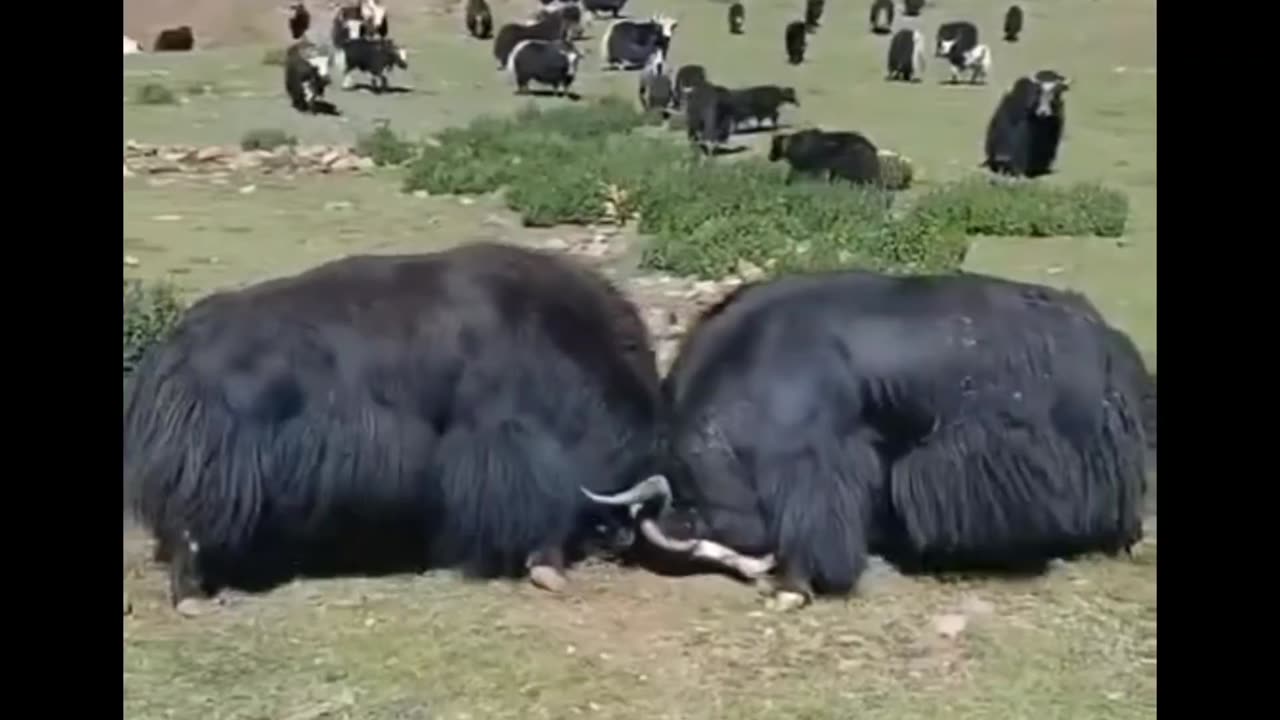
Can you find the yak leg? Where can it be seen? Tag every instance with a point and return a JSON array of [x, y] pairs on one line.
[[788, 591], [188, 591], [546, 569]]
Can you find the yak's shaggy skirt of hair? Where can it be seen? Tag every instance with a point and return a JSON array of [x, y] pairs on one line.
[[281, 447]]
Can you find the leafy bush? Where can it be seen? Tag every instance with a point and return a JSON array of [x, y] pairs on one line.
[[153, 93], [384, 146], [150, 312], [266, 139], [274, 56], [993, 206]]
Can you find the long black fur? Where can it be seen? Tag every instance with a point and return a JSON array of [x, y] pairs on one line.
[[903, 55], [1012, 23], [479, 19], [178, 39], [882, 17], [687, 78], [813, 14], [708, 116], [760, 102], [912, 8], [963, 32], [599, 7], [947, 422], [1021, 141], [402, 411], [737, 18], [796, 42], [552, 28], [841, 155], [299, 21]]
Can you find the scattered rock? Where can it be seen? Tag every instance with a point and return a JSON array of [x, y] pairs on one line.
[[215, 159], [248, 189], [213, 152], [974, 605], [951, 625], [131, 261], [166, 218], [338, 205]]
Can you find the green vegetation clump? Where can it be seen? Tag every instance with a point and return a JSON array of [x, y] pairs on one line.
[[151, 310], [994, 206], [586, 164], [266, 139], [154, 93], [384, 146]]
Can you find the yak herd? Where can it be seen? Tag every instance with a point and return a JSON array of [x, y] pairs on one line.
[[500, 411]]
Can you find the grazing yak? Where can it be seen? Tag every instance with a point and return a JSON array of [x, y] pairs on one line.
[[813, 14], [554, 27], [1012, 23], [796, 42], [760, 102], [600, 7], [959, 34], [907, 55], [947, 423], [687, 78], [307, 73], [479, 19], [628, 44], [570, 11], [737, 18], [178, 39], [882, 17], [378, 413], [550, 63], [975, 60], [348, 24], [912, 8], [1026, 129], [847, 156], [375, 56], [709, 116], [655, 89], [299, 21]]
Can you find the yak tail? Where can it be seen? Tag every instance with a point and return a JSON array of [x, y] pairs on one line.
[[999, 493], [505, 491], [823, 499]]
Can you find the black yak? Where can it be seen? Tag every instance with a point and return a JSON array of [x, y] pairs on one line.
[[550, 63], [1012, 23], [947, 423], [1025, 130], [813, 14], [737, 18], [552, 28], [960, 34], [379, 412], [655, 89], [708, 116], [912, 8], [299, 21], [307, 75], [178, 39], [479, 19], [796, 42], [881, 17], [628, 44], [372, 55], [907, 55], [759, 103], [599, 7], [848, 156], [687, 78]]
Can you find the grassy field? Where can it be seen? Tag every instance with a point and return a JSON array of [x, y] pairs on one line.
[[1078, 643]]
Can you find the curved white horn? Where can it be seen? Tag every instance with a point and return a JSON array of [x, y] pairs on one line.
[[643, 491]]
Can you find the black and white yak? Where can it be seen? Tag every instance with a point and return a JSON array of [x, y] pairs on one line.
[[758, 103], [796, 41], [479, 19], [959, 34], [813, 14], [907, 51], [178, 39], [687, 78], [299, 21], [307, 73], [737, 18], [374, 56], [947, 423], [912, 8], [549, 63], [828, 155], [628, 44], [555, 27], [348, 24], [1012, 23], [570, 10], [381, 413], [708, 116], [1026, 129], [975, 60], [656, 90], [882, 17], [600, 7]]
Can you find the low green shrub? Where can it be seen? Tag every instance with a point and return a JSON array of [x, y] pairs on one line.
[[384, 146], [995, 206], [266, 139], [150, 312], [154, 93]]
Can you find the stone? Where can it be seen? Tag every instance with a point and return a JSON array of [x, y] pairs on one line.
[[213, 152]]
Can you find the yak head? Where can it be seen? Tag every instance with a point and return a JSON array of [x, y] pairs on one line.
[[778, 147], [1050, 87], [788, 95]]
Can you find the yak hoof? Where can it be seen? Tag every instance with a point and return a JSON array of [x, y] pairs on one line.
[[548, 578], [192, 607], [787, 601]]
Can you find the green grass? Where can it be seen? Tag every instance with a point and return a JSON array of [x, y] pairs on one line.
[[624, 643]]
